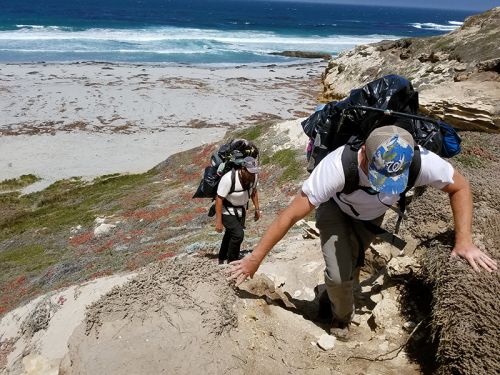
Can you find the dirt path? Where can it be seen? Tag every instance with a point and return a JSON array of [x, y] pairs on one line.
[[182, 316]]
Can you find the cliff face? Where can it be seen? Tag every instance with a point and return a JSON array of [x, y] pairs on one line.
[[457, 74]]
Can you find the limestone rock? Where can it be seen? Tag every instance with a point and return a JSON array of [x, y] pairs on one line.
[[309, 227], [456, 74], [327, 342], [303, 54], [401, 266], [384, 310], [102, 227]]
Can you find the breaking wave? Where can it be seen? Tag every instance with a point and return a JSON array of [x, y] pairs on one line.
[[452, 25], [162, 41]]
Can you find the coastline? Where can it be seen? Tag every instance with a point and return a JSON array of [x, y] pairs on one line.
[[87, 119]]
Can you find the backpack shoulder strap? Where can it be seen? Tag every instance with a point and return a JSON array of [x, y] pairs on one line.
[[350, 166], [416, 164], [233, 181], [232, 190]]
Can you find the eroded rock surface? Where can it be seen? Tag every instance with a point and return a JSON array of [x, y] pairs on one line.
[[457, 74]]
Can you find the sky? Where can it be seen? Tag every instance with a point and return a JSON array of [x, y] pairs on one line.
[[481, 5]]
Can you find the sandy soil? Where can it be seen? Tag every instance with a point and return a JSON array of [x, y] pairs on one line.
[[89, 119], [42, 328], [182, 316]]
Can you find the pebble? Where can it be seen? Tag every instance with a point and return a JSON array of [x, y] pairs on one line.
[[327, 342], [409, 325]]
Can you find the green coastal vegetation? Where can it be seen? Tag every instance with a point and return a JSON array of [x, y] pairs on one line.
[[252, 133], [51, 232], [66, 203], [28, 258], [18, 183], [287, 160]]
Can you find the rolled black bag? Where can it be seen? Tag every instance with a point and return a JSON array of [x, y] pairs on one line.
[[208, 184]]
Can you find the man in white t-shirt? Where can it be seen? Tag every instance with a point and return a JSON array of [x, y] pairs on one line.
[[235, 189], [344, 219]]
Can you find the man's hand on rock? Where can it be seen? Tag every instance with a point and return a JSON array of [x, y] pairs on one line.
[[240, 270], [475, 257]]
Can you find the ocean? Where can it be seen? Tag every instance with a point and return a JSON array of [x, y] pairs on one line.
[[201, 31]]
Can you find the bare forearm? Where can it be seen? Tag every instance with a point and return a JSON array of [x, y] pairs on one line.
[[218, 209], [461, 205], [255, 201]]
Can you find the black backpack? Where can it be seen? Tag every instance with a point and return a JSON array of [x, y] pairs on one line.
[[350, 121], [378, 103], [228, 157]]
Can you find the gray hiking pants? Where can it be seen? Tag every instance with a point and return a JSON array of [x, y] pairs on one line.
[[343, 242]]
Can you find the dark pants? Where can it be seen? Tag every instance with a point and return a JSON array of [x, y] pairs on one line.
[[343, 241], [233, 237]]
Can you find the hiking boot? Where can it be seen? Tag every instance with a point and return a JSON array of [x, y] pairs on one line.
[[324, 307], [340, 330]]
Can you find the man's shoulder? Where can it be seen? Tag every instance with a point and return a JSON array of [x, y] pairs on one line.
[[434, 170], [430, 159], [226, 179], [227, 174]]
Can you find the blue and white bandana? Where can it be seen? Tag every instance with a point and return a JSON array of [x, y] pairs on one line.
[[389, 168]]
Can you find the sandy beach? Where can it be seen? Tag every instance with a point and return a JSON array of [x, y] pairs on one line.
[[88, 119]]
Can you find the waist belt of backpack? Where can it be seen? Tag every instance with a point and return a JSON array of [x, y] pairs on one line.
[[228, 204], [384, 235], [379, 232]]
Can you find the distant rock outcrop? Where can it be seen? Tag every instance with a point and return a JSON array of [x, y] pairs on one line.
[[304, 54], [457, 74]]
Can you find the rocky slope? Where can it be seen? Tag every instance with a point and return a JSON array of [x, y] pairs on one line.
[[457, 74], [457, 77], [180, 303]]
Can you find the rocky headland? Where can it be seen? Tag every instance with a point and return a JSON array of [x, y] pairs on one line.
[[456, 75]]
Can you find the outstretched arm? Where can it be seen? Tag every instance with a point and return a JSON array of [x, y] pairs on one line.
[[242, 269], [255, 201], [461, 205], [218, 214]]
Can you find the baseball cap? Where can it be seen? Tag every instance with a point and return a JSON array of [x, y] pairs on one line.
[[251, 164], [389, 150]]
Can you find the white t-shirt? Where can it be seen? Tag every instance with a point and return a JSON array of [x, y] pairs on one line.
[[328, 178], [239, 197]]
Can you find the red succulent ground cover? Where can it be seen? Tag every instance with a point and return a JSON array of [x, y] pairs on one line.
[[143, 231], [153, 215], [81, 239], [13, 291]]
